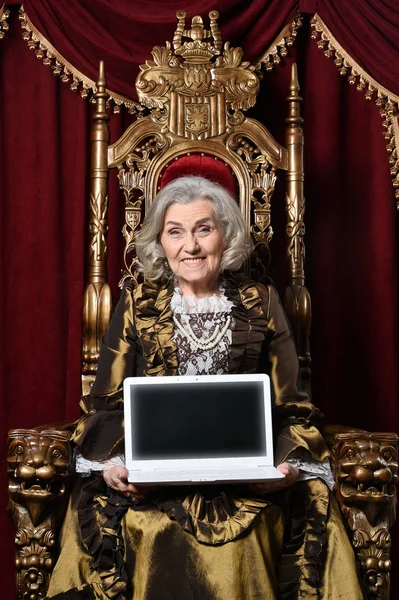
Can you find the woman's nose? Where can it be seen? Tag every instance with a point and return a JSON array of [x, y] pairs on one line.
[[191, 244]]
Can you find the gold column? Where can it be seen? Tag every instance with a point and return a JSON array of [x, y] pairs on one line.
[[97, 302], [297, 297]]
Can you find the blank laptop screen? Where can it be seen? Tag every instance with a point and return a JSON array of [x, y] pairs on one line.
[[206, 420]]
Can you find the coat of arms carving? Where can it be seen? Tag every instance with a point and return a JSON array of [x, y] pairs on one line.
[[197, 118], [197, 89]]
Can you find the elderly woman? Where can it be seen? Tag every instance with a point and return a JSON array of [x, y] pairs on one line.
[[194, 316]]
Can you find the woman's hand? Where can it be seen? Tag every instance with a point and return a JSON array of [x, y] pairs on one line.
[[116, 478], [291, 475]]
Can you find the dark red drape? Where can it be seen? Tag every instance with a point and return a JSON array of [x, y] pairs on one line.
[[351, 221], [122, 33], [369, 32]]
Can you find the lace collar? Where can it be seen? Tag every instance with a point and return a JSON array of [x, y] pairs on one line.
[[193, 305]]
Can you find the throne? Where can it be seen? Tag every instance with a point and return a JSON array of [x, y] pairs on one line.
[[193, 101]]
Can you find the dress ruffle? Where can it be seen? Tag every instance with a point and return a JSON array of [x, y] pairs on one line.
[[100, 517], [250, 328], [213, 521], [154, 323], [301, 565]]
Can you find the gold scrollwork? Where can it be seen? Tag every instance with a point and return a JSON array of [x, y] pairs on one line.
[[141, 157], [373, 552], [132, 182], [264, 177], [129, 230]]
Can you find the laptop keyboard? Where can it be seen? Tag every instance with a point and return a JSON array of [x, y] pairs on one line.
[[201, 475]]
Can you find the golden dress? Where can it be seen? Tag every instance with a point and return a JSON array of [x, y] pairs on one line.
[[204, 542]]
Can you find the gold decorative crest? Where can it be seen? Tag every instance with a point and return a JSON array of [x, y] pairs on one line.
[[197, 88]]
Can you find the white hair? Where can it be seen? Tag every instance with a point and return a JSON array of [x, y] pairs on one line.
[[184, 190]]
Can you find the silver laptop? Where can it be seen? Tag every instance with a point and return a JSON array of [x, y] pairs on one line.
[[203, 429]]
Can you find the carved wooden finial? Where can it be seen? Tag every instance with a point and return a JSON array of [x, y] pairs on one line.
[[101, 95], [101, 83], [181, 23], [294, 100], [197, 35], [294, 83]]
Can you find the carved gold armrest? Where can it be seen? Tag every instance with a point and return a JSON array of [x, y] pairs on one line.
[[365, 467], [38, 463]]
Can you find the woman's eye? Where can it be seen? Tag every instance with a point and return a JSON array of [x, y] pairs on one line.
[[174, 232], [204, 229]]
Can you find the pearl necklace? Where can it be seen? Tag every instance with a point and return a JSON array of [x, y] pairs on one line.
[[211, 342]]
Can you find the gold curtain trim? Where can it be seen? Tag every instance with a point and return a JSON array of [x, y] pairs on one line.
[[285, 39], [4, 14], [67, 72], [387, 102]]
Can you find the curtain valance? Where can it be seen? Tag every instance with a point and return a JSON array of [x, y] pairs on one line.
[[362, 36], [123, 33]]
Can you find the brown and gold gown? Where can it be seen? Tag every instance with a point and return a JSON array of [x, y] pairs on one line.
[[204, 542]]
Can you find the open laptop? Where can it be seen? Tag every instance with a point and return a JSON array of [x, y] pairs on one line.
[[204, 429]]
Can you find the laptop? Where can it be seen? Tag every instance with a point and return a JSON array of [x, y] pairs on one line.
[[199, 429]]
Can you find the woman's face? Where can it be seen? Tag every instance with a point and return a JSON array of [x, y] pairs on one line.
[[193, 241]]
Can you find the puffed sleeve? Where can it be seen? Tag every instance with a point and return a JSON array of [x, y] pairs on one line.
[[99, 433], [295, 416]]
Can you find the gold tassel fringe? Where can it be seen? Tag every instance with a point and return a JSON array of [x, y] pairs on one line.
[[61, 67], [387, 102], [4, 14], [279, 47]]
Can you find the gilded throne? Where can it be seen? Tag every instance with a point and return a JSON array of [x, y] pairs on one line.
[[194, 96]]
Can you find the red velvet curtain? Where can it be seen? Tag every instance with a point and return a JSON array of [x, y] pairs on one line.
[[351, 220], [123, 33], [369, 32]]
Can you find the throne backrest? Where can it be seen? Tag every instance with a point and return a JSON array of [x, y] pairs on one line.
[[194, 97]]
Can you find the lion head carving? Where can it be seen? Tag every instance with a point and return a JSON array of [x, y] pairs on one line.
[[366, 467], [37, 466]]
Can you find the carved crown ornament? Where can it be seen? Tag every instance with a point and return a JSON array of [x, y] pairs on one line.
[[197, 88]]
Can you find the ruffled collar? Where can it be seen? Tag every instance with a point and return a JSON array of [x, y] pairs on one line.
[[154, 323], [189, 305]]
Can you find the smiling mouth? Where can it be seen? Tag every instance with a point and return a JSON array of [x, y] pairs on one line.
[[193, 261]]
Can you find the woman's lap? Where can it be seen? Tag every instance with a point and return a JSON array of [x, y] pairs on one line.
[[163, 561]]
